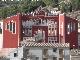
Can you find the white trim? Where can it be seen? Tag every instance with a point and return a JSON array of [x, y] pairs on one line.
[[59, 27], [9, 26], [12, 27], [62, 29], [15, 27], [5, 26]]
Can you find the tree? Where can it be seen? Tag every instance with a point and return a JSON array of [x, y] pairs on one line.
[[75, 4], [48, 2], [62, 6]]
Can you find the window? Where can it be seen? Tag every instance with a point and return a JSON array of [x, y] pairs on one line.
[[60, 58], [39, 21], [79, 24], [7, 25], [27, 51], [54, 58], [54, 49], [10, 26], [13, 27], [74, 27], [15, 55], [49, 41], [45, 59], [52, 29], [71, 26], [68, 28], [49, 28], [37, 58]]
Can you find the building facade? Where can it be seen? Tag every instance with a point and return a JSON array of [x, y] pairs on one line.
[[40, 26], [41, 51]]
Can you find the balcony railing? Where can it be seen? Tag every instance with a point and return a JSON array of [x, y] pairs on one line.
[[28, 39]]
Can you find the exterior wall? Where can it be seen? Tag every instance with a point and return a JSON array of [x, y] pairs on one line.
[[27, 21], [71, 32], [5, 51], [10, 39], [68, 31], [67, 54], [1, 34], [56, 54], [19, 55], [65, 32], [38, 52]]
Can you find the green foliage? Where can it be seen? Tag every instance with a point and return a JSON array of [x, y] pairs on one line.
[[53, 3], [29, 5], [75, 4], [48, 2]]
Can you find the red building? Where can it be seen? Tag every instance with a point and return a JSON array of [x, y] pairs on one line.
[[40, 27]]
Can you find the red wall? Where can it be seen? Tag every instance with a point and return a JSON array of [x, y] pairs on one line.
[[72, 38], [11, 40]]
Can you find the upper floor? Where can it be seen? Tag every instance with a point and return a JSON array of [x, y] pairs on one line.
[[40, 26]]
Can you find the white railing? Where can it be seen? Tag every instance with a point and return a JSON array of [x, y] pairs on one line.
[[27, 39], [31, 44]]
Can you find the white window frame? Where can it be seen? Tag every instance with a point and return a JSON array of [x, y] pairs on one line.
[[5, 26]]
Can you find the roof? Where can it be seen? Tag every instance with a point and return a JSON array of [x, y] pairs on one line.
[[54, 45]]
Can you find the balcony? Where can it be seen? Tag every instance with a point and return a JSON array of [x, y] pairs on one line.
[[28, 39]]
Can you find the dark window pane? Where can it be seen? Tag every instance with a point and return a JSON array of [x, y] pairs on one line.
[[13, 27], [7, 26], [54, 49], [10, 26], [37, 58], [54, 58], [15, 54]]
